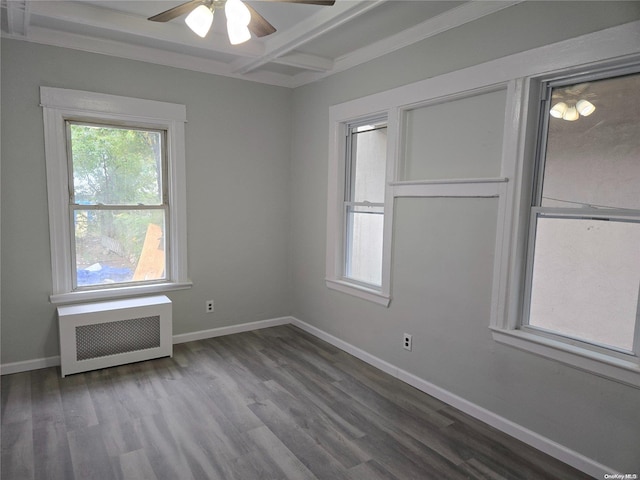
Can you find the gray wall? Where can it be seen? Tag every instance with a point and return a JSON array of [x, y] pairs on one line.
[[237, 163], [443, 253], [257, 220]]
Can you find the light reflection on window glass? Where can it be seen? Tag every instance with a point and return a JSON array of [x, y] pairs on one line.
[[594, 160]]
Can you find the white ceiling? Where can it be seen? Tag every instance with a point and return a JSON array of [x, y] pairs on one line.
[[311, 41]]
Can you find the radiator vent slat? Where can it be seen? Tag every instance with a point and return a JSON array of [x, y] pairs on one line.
[[103, 339]]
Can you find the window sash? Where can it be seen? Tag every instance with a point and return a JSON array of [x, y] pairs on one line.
[[76, 207], [584, 212], [164, 193], [349, 205], [546, 89], [73, 244], [353, 130], [618, 215]]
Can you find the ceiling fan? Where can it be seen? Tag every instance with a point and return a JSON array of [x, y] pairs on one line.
[[242, 18], [572, 101]]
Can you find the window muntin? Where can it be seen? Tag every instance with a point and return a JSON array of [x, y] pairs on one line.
[[364, 203], [583, 273], [118, 204]]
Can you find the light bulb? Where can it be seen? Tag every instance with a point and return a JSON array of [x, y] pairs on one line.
[[585, 107], [238, 17], [571, 114], [237, 33], [237, 13], [558, 110], [200, 20]]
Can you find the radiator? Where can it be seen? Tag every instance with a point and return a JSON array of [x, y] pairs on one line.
[[104, 334]]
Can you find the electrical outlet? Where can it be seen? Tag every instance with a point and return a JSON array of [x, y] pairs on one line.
[[209, 306], [406, 341]]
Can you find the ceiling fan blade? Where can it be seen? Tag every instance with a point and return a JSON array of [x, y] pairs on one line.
[[326, 3], [258, 25], [175, 11]]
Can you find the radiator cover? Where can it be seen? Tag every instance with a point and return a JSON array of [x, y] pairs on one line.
[[104, 334]]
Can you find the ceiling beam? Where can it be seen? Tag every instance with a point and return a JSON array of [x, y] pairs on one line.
[[17, 17], [134, 25], [141, 53], [318, 24], [306, 61], [465, 13]]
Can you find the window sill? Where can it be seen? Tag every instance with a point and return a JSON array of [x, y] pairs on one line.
[[112, 293], [359, 291], [613, 368]]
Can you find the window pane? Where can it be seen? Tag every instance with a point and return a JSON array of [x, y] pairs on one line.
[[368, 165], [364, 244], [593, 157], [116, 246], [116, 166], [586, 277]]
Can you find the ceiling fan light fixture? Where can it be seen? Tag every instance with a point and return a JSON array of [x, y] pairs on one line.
[[238, 18], [558, 110], [237, 12], [571, 114], [237, 33], [585, 107], [200, 20]]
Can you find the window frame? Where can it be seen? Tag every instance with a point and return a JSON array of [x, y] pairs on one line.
[[521, 74], [537, 210], [74, 207], [350, 203], [342, 121], [509, 318], [63, 105]]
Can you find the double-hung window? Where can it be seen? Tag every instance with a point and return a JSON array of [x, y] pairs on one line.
[[364, 203], [583, 269], [574, 290], [356, 249], [115, 179], [118, 204]]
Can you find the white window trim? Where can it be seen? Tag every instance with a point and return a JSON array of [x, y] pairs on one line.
[[509, 289], [335, 280], [62, 104], [520, 73]]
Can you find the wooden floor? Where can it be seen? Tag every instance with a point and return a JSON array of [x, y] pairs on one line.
[[272, 404]]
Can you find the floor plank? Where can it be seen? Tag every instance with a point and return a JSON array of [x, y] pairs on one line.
[[89, 455], [17, 450], [271, 446], [135, 466], [16, 398], [52, 458], [273, 404]]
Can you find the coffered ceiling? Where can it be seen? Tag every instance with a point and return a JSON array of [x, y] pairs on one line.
[[311, 41]]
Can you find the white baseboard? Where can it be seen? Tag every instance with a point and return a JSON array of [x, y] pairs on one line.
[[539, 442], [27, 365], [519, 432], [38, 363], [220, 331]]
